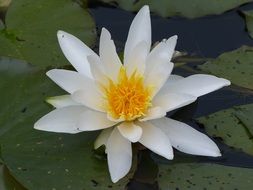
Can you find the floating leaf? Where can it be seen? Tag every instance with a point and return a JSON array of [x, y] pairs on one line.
[[185, 8], [16, 82], [236, 66], [233, 125], [7, 182], [249, 21], [203, 176], [41, 160], [245, 116], [32, 27]]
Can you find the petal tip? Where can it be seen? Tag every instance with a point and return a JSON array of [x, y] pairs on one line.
[[145, 9], [104, 29], [61, 34], [227, 82], [115, 179], [37, 125], [49, 73], [175, 37], [216, 153], [49, 100], [170, 155]]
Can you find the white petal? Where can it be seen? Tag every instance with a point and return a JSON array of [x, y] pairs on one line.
[[93, 120], [140, 30], [103, 137], [90, 98], [76, 52], [161, 53], [62, 120], [61, 101], [119, 155], [158, 76], [172, 101], [136, 61], [97, 71], [156, 140], [186, 139], [154, 113], [130, 131], [108, 55], [70, 81], [196, 85], [173, 78]]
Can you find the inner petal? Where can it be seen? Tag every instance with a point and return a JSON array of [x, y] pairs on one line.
[[128, 98]]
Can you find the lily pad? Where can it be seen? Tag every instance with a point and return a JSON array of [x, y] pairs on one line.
[[249, 21], [41, 160], [31, 28], [204, 176], [233, 125], [236, 66], [245, 116], [7, 182], [184, 8]]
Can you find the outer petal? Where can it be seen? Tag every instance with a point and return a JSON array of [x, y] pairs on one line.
[[119, 155], [92, 120], [140, 30], [158, 76], [89, 98], [173, 78], [61, 101], [163, 52], [186, 139], [154, 113], [136, 61], [156, 140], [62, 120], [108, 55], [103, 137], [130, 131], [70, 81], [76, 52], [196, 85], [172, 101]]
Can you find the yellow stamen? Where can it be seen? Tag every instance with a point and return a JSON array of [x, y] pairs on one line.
[[128, 99]]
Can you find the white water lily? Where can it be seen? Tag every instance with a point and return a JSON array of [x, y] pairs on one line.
[[128, 101]]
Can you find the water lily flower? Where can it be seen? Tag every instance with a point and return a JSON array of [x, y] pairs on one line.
[[128, 101]]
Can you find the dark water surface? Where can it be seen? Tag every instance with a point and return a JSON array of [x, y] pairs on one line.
[[205, 37]]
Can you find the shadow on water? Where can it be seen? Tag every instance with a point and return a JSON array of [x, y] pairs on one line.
[[205, 37]]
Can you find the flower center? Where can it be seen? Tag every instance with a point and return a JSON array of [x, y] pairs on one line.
[[128, 99]]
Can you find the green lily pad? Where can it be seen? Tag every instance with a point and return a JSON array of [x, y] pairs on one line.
[[184, 8], [233, 125], [245, 116], [249, 21], [32, 26], [204, 176], [41, 160], [7, 182], [236, 66]]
